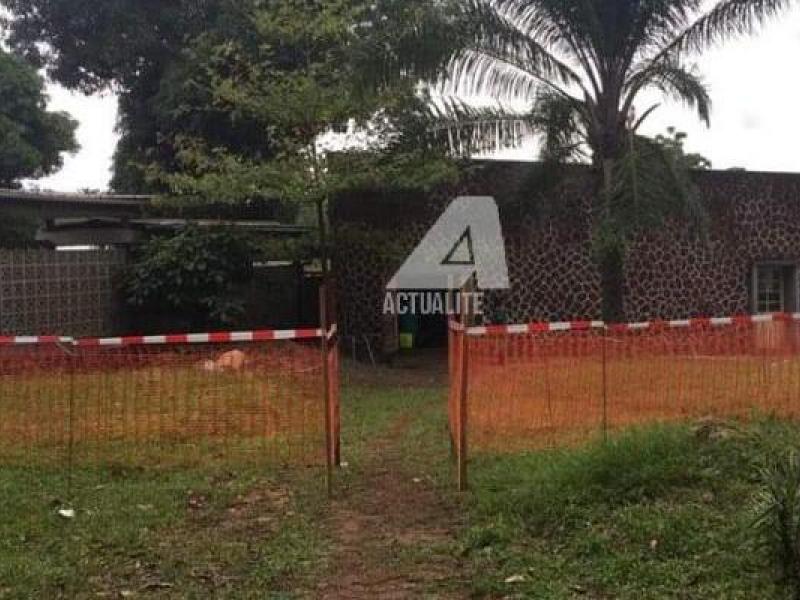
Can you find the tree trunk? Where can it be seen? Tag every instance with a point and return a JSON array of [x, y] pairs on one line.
[[612, 266], [324, 254], [608, 147], [610, 255]]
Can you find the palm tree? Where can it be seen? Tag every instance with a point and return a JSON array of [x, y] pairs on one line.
[[581, 65]]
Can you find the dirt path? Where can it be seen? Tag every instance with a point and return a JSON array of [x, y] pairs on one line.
[[394, 532]]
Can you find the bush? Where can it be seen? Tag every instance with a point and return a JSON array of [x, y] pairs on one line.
[[777, 510], [191, 277]]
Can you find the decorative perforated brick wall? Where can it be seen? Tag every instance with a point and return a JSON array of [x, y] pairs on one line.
[[670, 272], [64, 293]]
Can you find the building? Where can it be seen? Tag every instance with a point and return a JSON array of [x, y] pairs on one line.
[[22, 212], [743, 260], [63, 256]]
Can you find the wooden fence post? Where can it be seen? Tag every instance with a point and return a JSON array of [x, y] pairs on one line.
[[605, 382], [452, 387], [462, 407], [333, 376], [326, 378]]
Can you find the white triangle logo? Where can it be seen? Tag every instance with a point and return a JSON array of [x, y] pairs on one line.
[[462, 253], [465, 242]]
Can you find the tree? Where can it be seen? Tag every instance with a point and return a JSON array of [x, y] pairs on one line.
[[124, 45], [673, 142], [283, 75], [32, 140], [581, 66], [165, 58], [232, 110]]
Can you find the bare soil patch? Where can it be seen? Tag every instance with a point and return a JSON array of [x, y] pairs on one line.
[[417, 369], [394, 533]]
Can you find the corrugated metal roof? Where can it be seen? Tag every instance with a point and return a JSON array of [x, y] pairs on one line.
[[8, 195], [165, 223]]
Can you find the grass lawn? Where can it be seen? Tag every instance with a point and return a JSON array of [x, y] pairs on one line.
[[662, 512], [189, 533]]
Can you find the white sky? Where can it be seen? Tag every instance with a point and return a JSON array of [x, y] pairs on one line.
[[754, 83], [91, 166]]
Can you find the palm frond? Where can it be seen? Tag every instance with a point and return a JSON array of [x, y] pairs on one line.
[[643, 117], [727, 18], [501, 57], [674, 80], [467, 129], [562, 125], [482, 73], [658, 22], [571, 28], [543, 20], [653, 183]]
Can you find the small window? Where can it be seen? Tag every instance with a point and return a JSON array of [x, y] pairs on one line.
[[774, 288]]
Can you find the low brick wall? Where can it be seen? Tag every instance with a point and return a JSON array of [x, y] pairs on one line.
[[65, 293]]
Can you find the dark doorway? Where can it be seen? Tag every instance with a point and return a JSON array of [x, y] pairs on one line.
[[432, 331], [425, 328]]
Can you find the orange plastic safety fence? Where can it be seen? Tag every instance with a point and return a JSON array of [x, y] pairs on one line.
[[537, 386], [165, 404]]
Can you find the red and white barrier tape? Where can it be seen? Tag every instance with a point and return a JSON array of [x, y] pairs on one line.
[[28, 340], [592, 325], [182, 338], [534, 328]]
